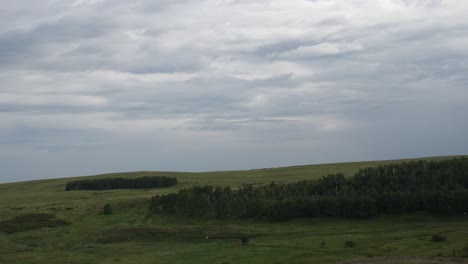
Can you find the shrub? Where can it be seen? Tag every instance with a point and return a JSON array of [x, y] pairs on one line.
[[107, 210], [349, 243], [244, 240], [438, 238]]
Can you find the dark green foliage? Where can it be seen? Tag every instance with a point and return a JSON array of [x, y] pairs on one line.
[[438, 238], [348, 206], [397, 202], [122, 183], [329, 206], [438, 187], [107, 210], [362, 207], [245, 240], [349, 243], [292, 208], [27, 222]]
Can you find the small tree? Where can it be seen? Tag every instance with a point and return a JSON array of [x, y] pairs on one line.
[[107, 209]]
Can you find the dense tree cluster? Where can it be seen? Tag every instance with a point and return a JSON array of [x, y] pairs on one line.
[[122, 183], [440, 187]]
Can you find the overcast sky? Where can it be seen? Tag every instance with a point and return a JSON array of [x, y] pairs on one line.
[[94, 86]]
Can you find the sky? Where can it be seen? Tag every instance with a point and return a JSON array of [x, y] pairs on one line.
[[96, 86]]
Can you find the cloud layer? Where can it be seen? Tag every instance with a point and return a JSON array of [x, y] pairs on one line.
[[91, 86]]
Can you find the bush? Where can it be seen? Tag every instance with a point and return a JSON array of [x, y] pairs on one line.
[[107, 210], [244, 240], [349, 243], [438, 238]]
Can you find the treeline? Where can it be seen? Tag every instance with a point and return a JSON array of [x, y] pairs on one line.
[[122, 183], [440, 187]]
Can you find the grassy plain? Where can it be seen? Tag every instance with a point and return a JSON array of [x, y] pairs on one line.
[[130, 235]]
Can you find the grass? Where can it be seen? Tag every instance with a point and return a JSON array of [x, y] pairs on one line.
[[30, 221], [130, 235]]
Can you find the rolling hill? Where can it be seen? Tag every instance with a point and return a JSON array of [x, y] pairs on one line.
[[131, 235]]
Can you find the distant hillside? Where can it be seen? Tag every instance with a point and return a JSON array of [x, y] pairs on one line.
[[25, 192], [41, 222]]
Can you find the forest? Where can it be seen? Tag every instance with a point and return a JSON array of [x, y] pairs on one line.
[[121, 183], [439, 187]]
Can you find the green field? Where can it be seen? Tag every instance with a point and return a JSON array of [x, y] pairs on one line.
[[130, 235]]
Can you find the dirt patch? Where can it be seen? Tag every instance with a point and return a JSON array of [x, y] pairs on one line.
[[404, 260]]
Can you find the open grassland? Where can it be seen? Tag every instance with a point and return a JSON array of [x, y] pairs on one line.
[[130, 235]]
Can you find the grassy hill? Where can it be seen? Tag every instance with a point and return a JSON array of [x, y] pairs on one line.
[[129, 235]]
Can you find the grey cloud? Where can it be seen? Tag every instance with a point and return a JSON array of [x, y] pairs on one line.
[[201, 85], [33, 47]]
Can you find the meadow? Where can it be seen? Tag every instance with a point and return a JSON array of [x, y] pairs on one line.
[[131, 235]]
